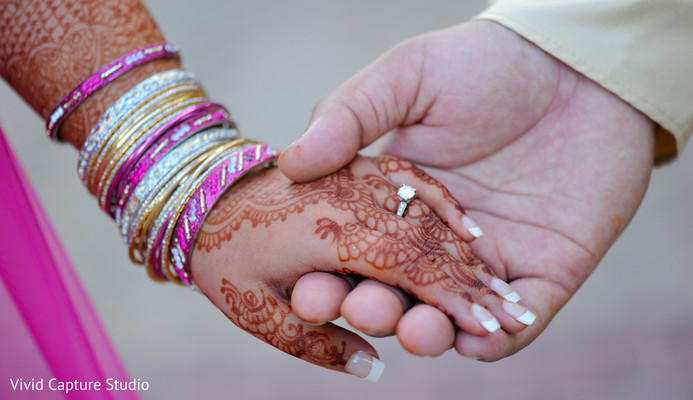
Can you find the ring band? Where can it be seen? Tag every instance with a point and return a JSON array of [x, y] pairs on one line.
[[405, 194]]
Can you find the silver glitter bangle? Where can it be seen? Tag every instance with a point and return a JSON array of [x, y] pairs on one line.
[[115, 164], [163, 174], [119, 136], [123, 106]]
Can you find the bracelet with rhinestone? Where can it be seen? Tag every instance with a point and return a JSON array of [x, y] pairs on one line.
[[131, 140], [164, 172], [124, 106], [105, 75], [145, 213], [165, 224], [186, 197], [205, 197], [152, 214], [203, 117], [121, 138], [160, 234]]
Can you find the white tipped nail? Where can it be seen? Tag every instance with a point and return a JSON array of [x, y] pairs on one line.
[[472, 227], [491, 325], [513, 297], [488, 321], [520, 313], [365, 366], [527, 318], [376, 371], [505, 290]]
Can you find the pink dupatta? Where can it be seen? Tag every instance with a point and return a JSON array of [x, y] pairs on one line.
[[49, 327]]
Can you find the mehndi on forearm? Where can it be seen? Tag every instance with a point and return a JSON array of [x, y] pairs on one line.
[[48, 47]]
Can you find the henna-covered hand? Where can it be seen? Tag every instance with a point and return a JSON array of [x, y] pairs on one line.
[[268, 232]]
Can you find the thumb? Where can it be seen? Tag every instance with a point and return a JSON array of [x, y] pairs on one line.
[[271, 319], [373, 102]]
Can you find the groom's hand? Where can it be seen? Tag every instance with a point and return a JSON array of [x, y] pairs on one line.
[[551, 165]]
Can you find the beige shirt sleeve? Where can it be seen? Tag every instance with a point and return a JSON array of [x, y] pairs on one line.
[[641, 50]]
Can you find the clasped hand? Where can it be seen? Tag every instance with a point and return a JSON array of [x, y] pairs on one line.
[[550, 164], [267, 233]]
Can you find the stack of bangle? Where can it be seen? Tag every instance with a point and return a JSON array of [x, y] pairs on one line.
[[158, 160]]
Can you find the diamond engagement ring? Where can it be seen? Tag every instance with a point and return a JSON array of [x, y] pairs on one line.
[[405, 194]]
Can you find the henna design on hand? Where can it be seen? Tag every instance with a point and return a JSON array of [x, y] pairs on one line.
[[419, 257], [275, 200], [416, 250], [384, 253], [265, 317]]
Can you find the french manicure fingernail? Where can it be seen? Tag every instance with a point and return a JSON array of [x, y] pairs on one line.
[[365, 366], [520, 313], [505, 290], [488, 321], [472, 227]]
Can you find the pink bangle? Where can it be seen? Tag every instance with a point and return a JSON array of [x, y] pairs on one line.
[[105, 75], [204, 197], [194, 124], [195, 118]]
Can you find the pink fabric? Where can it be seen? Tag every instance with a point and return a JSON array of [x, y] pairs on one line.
[[49, 327]]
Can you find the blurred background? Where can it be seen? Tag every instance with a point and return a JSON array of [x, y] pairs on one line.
[[628, 333]]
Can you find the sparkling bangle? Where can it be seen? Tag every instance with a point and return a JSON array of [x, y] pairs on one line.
[[147, 212], [160, 235], [122, 136], [196, 119], [205, 197], [105, 75], [126, 105], [124, 147], [163, 173]]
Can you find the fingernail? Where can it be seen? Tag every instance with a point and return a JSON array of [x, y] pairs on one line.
[[365, 366], [488, 321], [520, 313], [505, 290], [472, 227]]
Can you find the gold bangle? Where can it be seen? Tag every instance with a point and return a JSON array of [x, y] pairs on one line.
[[212, 160], [122, 142], [113, 130], [152, 208], [193, 147], [121, 149]]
